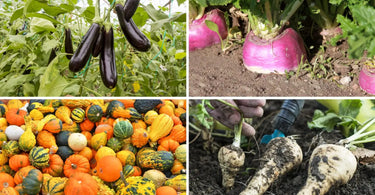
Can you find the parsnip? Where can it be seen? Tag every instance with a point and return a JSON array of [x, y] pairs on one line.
[[282, 155], [231, 159], [329, 165]]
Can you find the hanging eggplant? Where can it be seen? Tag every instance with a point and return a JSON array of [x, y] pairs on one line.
[[83, 52], [135, 37], [98, 44], [107, 59], [68, 43], [129, 8]]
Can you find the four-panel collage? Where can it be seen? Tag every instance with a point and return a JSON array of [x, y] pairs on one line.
[[175, 97]]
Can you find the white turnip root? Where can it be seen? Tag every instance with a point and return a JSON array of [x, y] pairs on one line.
[[231, 159], [200, 36], [281, 156], [329, 165], [280, 54]]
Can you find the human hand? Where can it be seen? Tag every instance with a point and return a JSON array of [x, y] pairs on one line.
[[229, 116]]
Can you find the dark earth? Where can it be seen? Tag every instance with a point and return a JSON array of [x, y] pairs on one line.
[[205, 174], [213, 72]]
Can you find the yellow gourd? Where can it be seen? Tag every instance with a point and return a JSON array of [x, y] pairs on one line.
[[27, 140], [63, 113], [44, 121], [160, 127], [98, 140]]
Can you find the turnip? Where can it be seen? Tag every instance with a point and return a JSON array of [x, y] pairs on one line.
[[367, 79], [284, 52], [281, 156], [200, 36], [329, 165], [269, 47]]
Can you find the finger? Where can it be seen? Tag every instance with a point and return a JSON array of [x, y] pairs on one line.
[[251, 103], [247, 130], [250, 112]]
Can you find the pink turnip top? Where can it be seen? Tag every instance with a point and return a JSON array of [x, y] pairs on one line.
[[280, 54], [367, 80], [200, 36]]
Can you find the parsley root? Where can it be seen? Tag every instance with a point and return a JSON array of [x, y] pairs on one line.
[[281, 155], [329, 165], [231, 159]]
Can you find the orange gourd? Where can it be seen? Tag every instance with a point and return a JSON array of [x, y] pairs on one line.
[[168, 144], [166, 190], [105, 120], [105, 128], [81, 184], [76, 164], [18, 161], [63, 113], [177, 167], [53, 126], [137, 171], [139, 124], [108, 169], [127, 103], [15, 116], [86, 125], [88, 136], [179, 111], [55, 166], [126, 157], [167, 109], [6, 180], [87, 153], [15, 103], [47, 140], [178, 133], [9, 191], [22, 173], [176, 120], [139, 137]]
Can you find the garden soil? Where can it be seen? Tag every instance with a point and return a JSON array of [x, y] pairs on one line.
[[205, 174], [216, 73]]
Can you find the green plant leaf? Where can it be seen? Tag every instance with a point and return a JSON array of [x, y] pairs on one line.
[[350, 108], [212, 26], [52, 83], [49, 45]]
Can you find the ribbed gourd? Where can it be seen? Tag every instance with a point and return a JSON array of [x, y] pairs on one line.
[[78, 114], [123, 129], [32, 183], [136, 185], [160, 127], [27, 140], [11, 148], [55, 186], [39, 157], [139, 137], [115, 144], [94, 113]]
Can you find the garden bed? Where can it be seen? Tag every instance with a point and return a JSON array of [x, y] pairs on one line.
[[205, 177]]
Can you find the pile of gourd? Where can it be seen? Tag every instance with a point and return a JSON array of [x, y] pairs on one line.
[[92, 147]]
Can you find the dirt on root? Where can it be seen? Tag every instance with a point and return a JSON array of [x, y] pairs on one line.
[[205, 174], [213, 73]]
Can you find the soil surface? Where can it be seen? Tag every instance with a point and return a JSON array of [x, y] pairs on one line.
[[213, 73], [205, 174]]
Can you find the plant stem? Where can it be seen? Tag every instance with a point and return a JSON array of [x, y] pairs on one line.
[[359, 134], [238, 127]]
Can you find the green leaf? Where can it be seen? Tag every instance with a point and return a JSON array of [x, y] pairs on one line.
[[40, 25], [17, 14], [180, 54], [350, 108], [179, 2], [212, 26], [140, 17], [322, 121], [49, 45], [90, 2], [89, 13], [29, 89], [52, 83]]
